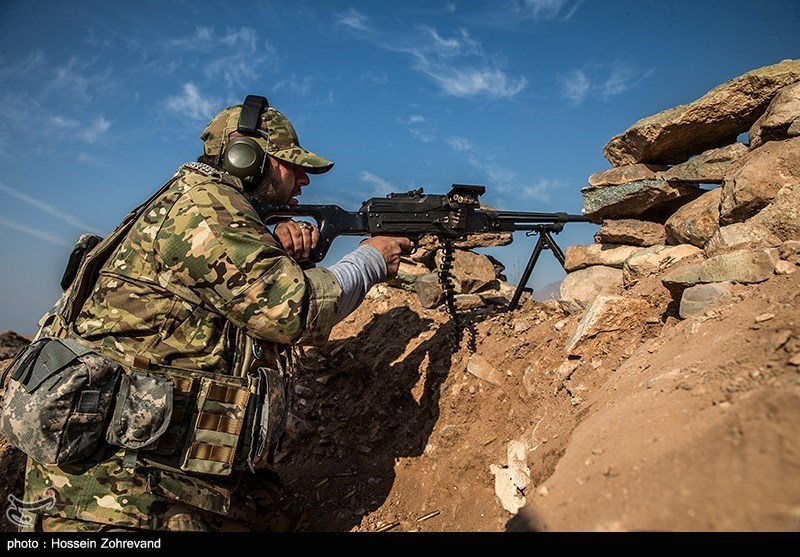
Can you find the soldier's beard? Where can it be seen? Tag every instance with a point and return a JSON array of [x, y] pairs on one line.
[[271, 188]]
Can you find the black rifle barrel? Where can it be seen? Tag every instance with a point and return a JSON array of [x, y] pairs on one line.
[[519, 216]]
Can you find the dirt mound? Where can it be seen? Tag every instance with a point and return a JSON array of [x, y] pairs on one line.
[[11, 343], [670, 425]]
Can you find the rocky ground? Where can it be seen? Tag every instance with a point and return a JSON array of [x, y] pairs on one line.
[[664, 425]]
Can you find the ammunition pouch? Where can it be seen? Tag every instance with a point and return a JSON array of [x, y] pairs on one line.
[[57, 401], [215, 423], [215, 428], [142, 411], [233, 425], [63, 399]]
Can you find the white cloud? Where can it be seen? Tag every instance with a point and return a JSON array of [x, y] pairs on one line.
[[417, 127], [621, 79], [354, 19], [76, 81], [600, 82], [540, 191], [412, 119], [33, 62], [575, 86], [459, 143], [379, 78], [61, 122], [236, 55], [380, 186], [95, 130], [503, 180], [471, 82], [453, 44], [201, 39], [49, 209], [35, 232], [547, 10], [192, 104], [89, 133], [295, 85], [66, 77], [460, 67], [457, 63], [241, 38], [424, 135]]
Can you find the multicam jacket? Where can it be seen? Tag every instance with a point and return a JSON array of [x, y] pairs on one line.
[[198, 264], [200, 257]]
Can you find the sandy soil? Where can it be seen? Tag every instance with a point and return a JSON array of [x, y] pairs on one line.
[[668, 425]]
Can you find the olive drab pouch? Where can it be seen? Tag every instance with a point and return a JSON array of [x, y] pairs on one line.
[[57, 401], [142, 411], [216, 426]]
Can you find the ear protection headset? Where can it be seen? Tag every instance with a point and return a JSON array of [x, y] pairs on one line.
[[243, 157]]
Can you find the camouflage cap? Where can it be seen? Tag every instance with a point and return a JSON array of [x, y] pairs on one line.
[[278, 138]]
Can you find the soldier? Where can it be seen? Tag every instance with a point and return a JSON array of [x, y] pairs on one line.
[[200, 296]]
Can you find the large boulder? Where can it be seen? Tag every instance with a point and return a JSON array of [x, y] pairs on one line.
[[631, 232], [609, 255], [648, 199], [781, 120], [782, 216], [709, 167], [754, 184], [741, 235], [745, 266], [714, 120], [625, 174], [695, 222], [580, 287]]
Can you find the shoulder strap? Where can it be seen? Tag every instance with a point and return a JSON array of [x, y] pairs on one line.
[[90, 267]]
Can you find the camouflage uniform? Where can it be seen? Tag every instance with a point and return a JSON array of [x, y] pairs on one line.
[[195, 274]]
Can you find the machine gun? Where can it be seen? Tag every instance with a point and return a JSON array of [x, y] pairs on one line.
[[452, 216]]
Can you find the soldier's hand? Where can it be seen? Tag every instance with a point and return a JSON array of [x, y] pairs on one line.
[[391, 247], [297, 238]]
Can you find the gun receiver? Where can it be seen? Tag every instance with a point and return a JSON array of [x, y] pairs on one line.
[[415, 214]]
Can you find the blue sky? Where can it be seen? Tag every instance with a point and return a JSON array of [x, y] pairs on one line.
[[102, 100]]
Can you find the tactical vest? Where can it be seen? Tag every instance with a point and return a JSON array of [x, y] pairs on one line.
[[181, 419]]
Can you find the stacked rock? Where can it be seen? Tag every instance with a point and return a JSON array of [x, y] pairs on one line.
[[478, 279], [684, 187]]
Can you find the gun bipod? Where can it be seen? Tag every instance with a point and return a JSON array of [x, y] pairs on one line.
[[545, 241]]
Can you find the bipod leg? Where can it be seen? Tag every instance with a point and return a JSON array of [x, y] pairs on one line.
[[540, 245], [545, 236]]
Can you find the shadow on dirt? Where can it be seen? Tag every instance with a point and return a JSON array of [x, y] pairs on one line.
[[374, 402]]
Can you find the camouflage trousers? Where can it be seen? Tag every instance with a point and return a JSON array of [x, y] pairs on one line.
[[110, 497]]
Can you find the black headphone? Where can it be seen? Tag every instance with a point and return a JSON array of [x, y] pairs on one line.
[[243, 157]]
